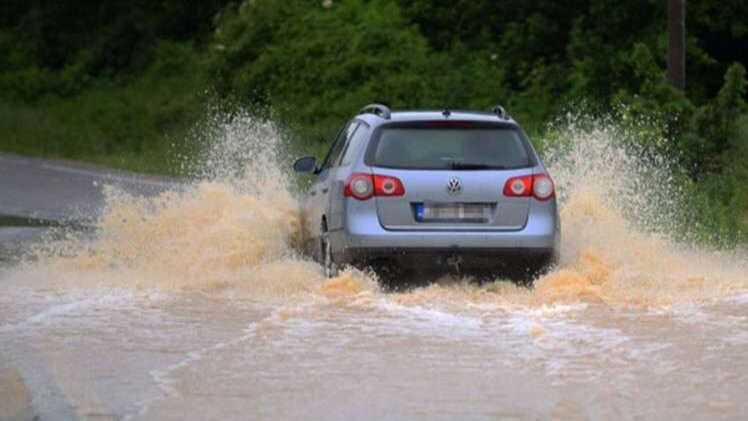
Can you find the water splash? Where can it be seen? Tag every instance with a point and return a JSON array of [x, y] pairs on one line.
[[621, 204], [238, 226]]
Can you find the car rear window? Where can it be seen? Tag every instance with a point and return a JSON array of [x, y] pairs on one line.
[[452, 148]]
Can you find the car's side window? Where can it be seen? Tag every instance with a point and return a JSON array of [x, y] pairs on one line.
[[336, 147], [333, 157], [354, 144], [349, 132]]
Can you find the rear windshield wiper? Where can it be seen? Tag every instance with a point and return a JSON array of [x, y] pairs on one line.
[[455, 165]]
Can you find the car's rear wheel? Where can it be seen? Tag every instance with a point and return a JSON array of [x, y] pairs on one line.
[[537, 267], [329, 266]]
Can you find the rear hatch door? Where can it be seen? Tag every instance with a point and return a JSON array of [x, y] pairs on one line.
[[447, 200], [454, 173]]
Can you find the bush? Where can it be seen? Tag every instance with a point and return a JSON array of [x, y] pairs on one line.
[[315, 65], [131, 124]]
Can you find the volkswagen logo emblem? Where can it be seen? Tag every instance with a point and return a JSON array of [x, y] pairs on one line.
[[454, 186]]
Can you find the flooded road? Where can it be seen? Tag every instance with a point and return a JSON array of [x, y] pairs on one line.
[[196, 304], [113, 353]]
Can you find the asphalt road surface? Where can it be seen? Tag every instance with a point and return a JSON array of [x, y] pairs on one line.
[[60, 190], [37, 193]]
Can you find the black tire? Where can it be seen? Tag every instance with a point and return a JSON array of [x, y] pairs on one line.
[[539, 266], [329, 267]]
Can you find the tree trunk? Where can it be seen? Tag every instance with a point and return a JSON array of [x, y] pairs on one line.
[[676, 56]]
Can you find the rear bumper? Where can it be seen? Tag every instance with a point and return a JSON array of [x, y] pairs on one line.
[[364, 238], [361, 238]]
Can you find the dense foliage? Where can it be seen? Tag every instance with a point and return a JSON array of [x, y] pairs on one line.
[[120, 82]]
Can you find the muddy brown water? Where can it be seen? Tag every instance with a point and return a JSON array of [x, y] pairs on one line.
[[164, 319], [358, 354]]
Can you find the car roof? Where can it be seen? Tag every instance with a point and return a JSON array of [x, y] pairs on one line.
[[434, 115]]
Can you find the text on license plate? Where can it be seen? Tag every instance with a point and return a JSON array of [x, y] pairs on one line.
[[452, 212]]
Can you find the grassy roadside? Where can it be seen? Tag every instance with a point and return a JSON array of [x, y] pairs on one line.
[[49, 132], [136, 124]]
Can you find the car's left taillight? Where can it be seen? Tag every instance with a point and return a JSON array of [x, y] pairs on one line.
[[363, 186], [388, 186], [359, 186]]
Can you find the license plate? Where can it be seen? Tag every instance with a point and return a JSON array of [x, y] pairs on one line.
[[452, 212]]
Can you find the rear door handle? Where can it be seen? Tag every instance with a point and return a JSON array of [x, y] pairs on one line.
[[325, 190], [312, 192]]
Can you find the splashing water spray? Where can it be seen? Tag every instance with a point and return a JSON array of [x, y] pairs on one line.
[[237, 225]]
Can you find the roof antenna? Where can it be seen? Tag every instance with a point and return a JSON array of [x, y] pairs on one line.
[[446, 113]]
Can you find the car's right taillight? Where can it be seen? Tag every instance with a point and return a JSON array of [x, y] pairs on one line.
[[542, 187], [539, 186]]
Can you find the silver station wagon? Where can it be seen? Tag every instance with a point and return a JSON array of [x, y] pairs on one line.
[[428, 191]]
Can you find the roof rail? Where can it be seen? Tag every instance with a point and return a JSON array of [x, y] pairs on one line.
[[378, 110], [500, 112]]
